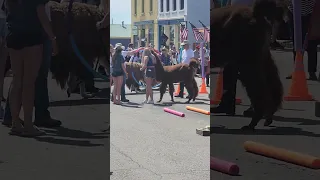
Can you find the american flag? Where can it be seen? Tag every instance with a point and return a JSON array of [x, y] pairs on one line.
[[206, 32], [183, 33], [197, 34]]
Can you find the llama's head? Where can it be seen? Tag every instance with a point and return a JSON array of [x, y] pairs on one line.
[[156, 56]]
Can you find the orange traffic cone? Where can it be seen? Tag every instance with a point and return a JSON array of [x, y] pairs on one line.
[[219, 90], [203, 88], [178, 91], [299, 89]]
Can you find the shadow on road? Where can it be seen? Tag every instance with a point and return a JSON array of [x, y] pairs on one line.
[[82, 143], [132, 105], [287, 109], [274, 131], [65, 134], [79, 102], [301, 121]]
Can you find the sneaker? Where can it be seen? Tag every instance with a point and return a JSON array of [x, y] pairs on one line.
[[312, 77], [47, 123], [1, 112], [125, 100], [289, 77], [145, 101], [275, 45], [150, 102]]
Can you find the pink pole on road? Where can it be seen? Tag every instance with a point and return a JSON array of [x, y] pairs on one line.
[[224, 166], [177, 113]]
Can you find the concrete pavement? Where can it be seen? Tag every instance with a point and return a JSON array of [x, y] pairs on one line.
[[295, 128], [79, 150], [149, 144]]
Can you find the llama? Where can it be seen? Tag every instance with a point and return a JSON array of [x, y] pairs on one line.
[[241, 35], [91, 43], [168, 75]]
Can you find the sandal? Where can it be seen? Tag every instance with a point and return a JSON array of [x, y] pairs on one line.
[[16, 131], [33, 133], [118, 102]]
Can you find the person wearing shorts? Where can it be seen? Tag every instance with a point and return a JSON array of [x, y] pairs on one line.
[[28, 27], [118, 71], [149, 68]]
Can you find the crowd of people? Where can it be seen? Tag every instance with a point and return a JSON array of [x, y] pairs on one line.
[[168, 56], [27, 43]]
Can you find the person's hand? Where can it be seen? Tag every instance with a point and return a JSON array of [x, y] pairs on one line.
[[101, 25], [55, 50]]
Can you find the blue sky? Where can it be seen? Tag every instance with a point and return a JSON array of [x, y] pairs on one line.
[[120, 11]]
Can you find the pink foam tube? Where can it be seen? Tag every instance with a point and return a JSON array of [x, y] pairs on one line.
[[224, 166], [174, 112]]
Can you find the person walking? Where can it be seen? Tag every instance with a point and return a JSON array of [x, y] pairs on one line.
[[186, 56]]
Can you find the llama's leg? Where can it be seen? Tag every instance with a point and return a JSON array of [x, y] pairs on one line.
[[163, 88], [171, 91], [257, 115], [190, 89], [196, 89], [268, 118], [83, 93]]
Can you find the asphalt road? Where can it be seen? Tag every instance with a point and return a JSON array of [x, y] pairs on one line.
[[79, 150], [149, 144], [295, 128]]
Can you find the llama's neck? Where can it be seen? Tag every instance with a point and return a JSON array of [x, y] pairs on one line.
[[159, 69]]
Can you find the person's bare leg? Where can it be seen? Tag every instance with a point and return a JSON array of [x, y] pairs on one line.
[[3, 60], [120, 81], [32, 62], [16, 57], [275, 31], [147, 89], [114, 91], [150, 80]]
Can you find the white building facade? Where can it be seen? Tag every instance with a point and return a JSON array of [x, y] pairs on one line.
[[172, 14]]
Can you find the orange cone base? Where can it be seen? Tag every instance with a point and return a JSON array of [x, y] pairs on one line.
[[216, 102], [299, 98]]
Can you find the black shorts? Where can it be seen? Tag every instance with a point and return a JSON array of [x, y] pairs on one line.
[[150, 73], [20, 41], [117, 73]]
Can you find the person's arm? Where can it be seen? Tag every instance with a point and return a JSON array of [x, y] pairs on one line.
[[130, 53], [104, 21], [45, 22]]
